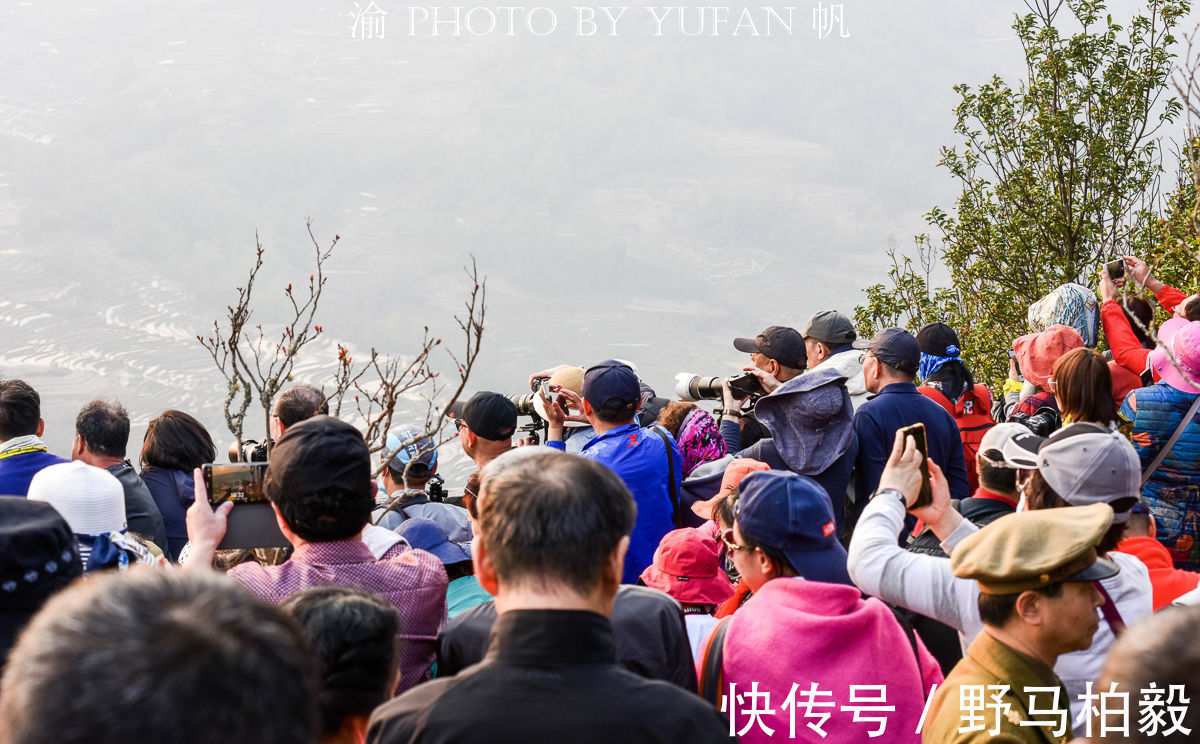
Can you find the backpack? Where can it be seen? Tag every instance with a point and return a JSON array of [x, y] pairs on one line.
[[973, 415]]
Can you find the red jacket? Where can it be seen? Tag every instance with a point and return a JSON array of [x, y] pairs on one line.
[[1126, 349], [1167, 581]]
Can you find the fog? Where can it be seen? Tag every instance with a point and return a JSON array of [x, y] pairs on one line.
[[639, 196]]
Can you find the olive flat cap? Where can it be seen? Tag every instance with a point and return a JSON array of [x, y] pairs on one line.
[[1032, 549]]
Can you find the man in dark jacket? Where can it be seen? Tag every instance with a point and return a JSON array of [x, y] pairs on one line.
[[101, 436], [648, 629], [554, 529], [889, 369]]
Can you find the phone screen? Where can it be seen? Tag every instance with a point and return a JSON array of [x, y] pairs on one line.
[[1116, 269], [917, 432], [241, 483]]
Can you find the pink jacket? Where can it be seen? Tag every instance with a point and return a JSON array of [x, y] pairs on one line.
[[794, 631]]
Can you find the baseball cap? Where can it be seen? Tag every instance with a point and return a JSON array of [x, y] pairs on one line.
[[422, 453], [1088, 464], [897, 348], [780, 343], [320, 453], [1031, 549], [793, 514], [938, 339], [612, 385], [1011, 445], [831, 327], [425, 534], [490, 415]]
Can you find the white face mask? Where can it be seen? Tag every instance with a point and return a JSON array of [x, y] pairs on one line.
[[1021, 502]]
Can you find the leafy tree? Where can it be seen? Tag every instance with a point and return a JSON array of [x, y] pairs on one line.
[[1058, 175]]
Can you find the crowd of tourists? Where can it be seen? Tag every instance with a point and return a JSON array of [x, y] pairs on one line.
[[865, 543]]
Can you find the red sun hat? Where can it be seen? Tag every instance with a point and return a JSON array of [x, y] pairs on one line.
[[687, 565]]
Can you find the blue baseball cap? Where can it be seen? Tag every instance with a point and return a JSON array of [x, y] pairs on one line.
[[612, 385], [425, 534], [422, 453], [793, 514]]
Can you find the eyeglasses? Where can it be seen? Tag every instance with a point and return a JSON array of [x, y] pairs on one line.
[[727, 538], [863, 356]]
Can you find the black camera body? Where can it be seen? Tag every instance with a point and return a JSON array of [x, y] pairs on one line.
[[746, 386], [435, 489]]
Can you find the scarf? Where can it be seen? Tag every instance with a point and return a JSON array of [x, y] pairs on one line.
[[931, 363], [22, 445], [699, 440], [112, 550]]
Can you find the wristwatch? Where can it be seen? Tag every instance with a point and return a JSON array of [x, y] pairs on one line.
[[732, 413], [892, 492]]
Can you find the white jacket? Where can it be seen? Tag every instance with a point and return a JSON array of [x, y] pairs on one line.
[[924, 583]]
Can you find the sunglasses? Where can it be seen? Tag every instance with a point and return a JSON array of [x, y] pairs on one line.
[[727, 538]]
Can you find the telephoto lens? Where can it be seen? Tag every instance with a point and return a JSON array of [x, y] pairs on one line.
[[524, 404], [695, 387]]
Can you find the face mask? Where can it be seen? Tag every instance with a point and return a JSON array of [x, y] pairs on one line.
[[1021, 502]]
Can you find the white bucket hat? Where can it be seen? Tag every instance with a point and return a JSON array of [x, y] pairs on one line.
[[90, 499]]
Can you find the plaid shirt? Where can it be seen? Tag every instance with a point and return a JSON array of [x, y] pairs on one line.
[[412, 580]]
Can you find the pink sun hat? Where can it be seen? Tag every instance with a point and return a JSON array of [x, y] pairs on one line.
[[1182, 337]]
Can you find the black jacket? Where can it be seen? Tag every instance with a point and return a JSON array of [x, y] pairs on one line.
[[141, 513], [549, 676], [651, 637]]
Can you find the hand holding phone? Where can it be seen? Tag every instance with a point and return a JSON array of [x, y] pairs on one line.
[[251, 523], [917, 432]]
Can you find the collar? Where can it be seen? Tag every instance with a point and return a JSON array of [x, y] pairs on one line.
[[900, 387], [983, 493], [552, 637], [334, 552], [22, 445], [1008, 664], [406, 497]]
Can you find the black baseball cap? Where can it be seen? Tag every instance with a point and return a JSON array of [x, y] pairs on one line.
[[832, 328], [784, 345], [490, 415], [319, 453], [939, 339], [612, 385], [897, 348]]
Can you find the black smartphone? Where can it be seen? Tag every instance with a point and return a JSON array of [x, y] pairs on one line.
[[252, 523], [925, 497], [1115, 269]]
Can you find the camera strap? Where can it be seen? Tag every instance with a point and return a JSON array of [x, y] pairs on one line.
[[672, 486]]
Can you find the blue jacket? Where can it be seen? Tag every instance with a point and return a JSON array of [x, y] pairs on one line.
[[639, 456], [172, 491], [16, 471], [876, 423], [1173, 491]]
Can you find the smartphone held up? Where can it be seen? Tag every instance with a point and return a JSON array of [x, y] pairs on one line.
[[917, 432], [252, 523]]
